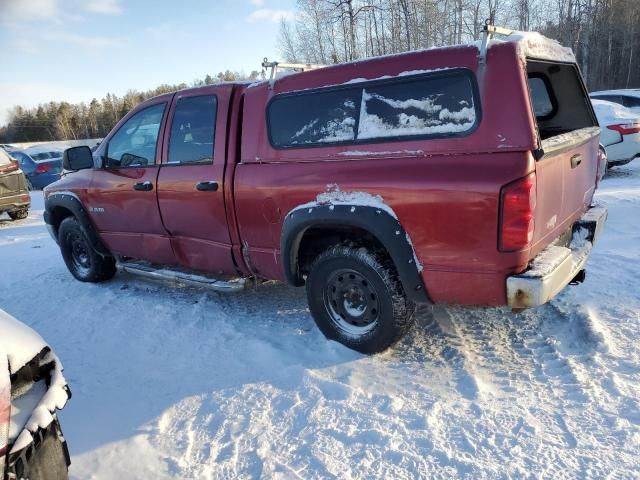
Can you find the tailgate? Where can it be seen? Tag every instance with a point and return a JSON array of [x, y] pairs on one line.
[[11, 183], [566, 182], [568, 132]]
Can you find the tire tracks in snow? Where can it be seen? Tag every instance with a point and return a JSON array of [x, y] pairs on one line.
[[494, 354]]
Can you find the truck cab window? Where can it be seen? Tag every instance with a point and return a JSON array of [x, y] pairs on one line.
[[134, 144], [193, 130]]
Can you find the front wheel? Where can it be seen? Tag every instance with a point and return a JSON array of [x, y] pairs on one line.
[[84, 263], [356, 298]]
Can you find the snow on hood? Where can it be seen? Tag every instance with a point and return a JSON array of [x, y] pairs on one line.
[[21, 345], [42, 415], [19, 342], [610, 113]]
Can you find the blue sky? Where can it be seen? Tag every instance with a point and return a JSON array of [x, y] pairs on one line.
[[78, 49]]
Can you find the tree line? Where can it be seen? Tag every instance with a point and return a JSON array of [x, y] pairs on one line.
[[72, 121], [604, 34]]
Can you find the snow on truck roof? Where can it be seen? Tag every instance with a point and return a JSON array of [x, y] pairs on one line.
[[531, 45], [535, 45]]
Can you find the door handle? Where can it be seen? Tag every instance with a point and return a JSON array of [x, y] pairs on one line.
[[143, 186], [576, 160], [210, 186]]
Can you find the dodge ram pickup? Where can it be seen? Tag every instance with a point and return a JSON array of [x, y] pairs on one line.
[[459, 175]]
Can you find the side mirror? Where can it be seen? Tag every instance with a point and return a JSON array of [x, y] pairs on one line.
[[77, 158]]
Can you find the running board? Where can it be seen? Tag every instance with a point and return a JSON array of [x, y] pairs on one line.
[[194, 280]]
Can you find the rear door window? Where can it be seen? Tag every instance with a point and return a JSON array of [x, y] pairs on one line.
[[432, 105], [193, 130]]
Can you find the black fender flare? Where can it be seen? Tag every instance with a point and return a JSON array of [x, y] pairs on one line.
[[377, 221], [72, 203]]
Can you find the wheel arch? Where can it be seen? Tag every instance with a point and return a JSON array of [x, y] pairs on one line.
[[307, 231], [59, 206]]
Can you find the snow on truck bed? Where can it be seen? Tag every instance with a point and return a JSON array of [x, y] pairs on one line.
[[179, 383]]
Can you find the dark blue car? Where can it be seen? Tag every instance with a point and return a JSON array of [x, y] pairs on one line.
[[39, 173]]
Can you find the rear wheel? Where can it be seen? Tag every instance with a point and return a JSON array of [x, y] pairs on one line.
[[19, 214], [84, 263], [356, 298]]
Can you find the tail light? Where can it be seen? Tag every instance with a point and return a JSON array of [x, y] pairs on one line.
[[45, 167], [12, 167], [625, 128], [517, 208]]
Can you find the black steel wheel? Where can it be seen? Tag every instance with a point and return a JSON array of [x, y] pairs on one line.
[[79, 252], [351, 301], [356, 298], [82, 260]]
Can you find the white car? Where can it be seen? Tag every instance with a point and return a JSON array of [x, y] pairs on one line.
[[619, 131], [32, 388], [629, 98]]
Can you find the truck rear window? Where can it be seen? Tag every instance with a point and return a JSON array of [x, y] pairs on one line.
[[431, 105]]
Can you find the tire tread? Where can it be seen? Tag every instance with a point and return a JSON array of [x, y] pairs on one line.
[[403, 309]]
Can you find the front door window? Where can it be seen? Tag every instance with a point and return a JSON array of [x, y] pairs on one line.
[[135, 143]]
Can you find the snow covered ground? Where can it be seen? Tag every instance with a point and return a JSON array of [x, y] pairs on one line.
[[173, 382]]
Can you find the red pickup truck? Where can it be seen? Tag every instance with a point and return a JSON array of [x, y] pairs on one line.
[[460, 175]]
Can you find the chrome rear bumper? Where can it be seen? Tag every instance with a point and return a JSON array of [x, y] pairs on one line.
[[556, 266]]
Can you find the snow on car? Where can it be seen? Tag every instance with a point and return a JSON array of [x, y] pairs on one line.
[[619, 131], [626, 97], [32, 388]]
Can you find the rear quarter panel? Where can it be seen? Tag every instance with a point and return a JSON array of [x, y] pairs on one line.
[[445, 192]]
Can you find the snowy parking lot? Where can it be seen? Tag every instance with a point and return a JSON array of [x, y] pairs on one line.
[[173, 382]]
